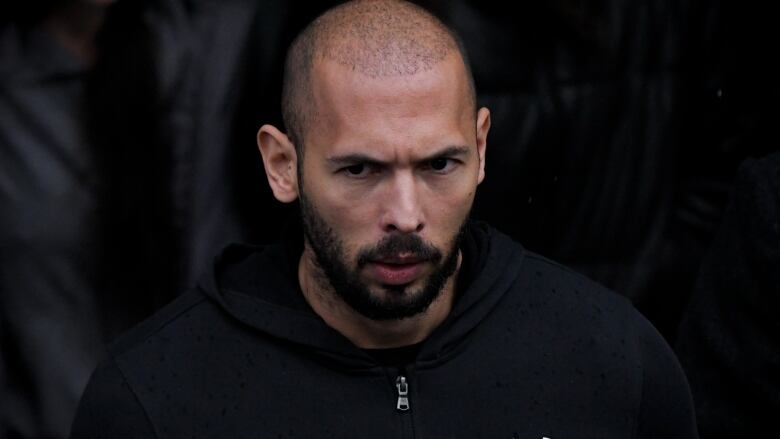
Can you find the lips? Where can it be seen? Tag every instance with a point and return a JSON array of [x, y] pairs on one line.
[[396, 271]]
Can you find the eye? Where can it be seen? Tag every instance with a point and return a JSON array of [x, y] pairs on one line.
[[439, 164], [356, 170], [360, 170], [442, 165]]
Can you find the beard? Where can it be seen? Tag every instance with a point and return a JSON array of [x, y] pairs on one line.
[[400, 301]]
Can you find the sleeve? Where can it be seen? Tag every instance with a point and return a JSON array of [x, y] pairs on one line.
[[666, 407], [109, 408]]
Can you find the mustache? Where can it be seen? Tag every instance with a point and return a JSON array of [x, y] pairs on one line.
[[394, 245]]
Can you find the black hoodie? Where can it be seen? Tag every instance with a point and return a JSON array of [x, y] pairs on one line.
[[530, 350]]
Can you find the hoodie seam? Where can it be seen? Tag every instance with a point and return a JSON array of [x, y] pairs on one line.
[[136, 397]]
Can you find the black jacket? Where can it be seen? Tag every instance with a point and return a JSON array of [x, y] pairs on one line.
[[530, 350]]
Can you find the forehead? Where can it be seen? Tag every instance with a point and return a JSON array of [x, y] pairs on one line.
[[353, 107]]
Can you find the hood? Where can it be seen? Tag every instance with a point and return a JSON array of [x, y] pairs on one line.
[[258, 286]]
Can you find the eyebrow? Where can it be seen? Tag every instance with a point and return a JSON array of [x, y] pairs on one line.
[[348, 159]]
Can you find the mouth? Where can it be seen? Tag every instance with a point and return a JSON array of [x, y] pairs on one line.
[[397, 270]]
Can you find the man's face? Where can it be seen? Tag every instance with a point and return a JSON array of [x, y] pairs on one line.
[[389, 173]]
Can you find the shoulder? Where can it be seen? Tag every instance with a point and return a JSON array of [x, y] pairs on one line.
[[564, 289], [191, 331], [172, 352], [170, 318], [551, 293], [109, 408], [576, 304], [125, 393], [594, 339], [592, 325]]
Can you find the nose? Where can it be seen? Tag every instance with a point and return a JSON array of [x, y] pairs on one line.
[[403, 210]]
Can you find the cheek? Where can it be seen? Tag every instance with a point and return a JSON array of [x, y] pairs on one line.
[[448, 204], [352, 219], [348, 210]]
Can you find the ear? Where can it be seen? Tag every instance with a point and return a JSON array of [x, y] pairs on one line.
[[280, 160], [483, 126]]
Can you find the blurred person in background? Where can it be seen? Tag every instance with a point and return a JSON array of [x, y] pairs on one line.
[[729, 342], [51, 198]]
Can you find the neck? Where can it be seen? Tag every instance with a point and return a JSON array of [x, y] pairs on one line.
[[363, 332]]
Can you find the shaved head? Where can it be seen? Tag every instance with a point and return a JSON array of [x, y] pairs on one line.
[[375, 38], [384, 150]]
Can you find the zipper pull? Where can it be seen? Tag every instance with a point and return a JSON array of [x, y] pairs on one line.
[[403, 394]]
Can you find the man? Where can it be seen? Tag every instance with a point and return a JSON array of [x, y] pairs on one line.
[[394, 316]]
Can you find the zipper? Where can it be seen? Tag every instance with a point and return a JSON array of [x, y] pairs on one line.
[[402, 405]]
